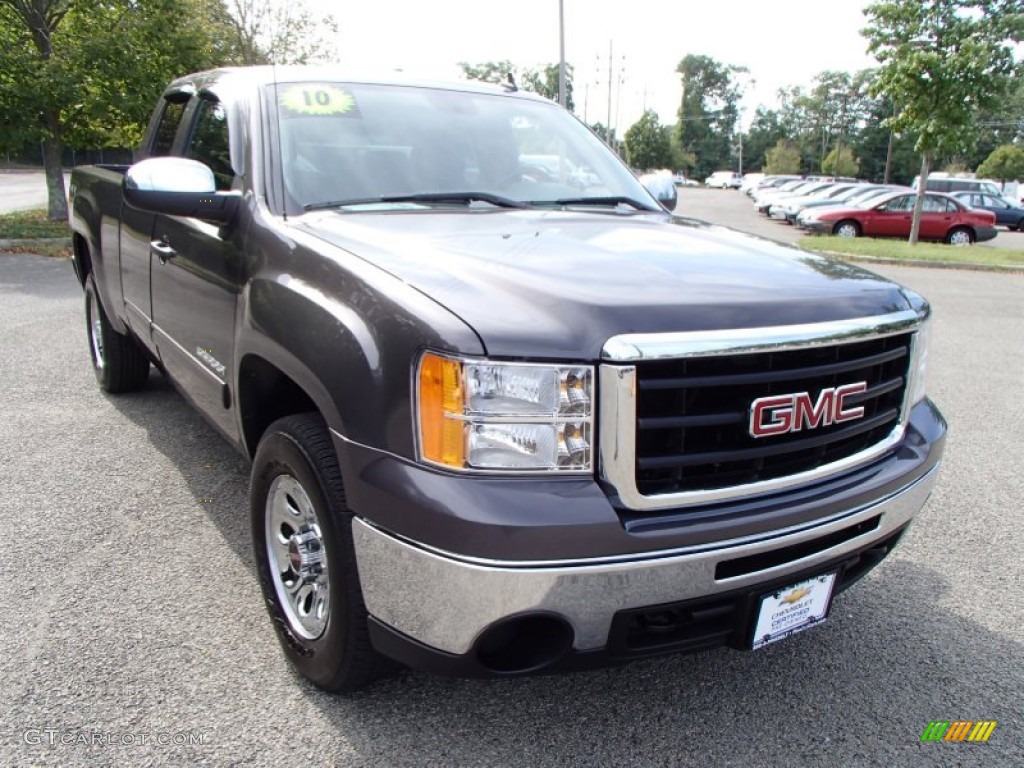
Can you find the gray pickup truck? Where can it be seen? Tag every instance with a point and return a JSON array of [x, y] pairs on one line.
[[504, 416]]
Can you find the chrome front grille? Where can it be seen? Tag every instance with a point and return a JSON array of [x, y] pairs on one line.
[[693, 415], [676, 413]]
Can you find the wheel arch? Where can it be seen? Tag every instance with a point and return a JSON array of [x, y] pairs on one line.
[[269, 389], [840, 222], [80, 258], [87, 259], [961, 228]]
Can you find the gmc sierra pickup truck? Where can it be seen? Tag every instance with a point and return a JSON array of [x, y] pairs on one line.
[[504, 417]]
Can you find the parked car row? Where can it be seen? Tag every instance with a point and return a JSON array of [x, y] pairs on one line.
[[943, 218], [851, 208]]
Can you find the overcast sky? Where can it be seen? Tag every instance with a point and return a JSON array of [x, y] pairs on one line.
[[781, 42]]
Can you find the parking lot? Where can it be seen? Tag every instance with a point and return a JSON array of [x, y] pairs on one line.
[[135, 632], [735, 209]]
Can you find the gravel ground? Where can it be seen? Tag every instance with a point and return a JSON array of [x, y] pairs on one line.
[[136, 635]]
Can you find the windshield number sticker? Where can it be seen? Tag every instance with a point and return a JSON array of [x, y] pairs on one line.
[[318, 100]]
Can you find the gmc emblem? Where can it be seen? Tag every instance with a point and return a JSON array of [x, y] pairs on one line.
[[779, 414]]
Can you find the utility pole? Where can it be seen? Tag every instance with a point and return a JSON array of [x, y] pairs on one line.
[[608, 125], [563, 96], [613, 77]]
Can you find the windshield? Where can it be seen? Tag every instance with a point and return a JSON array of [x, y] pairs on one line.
[[870, 201], [385, 146]]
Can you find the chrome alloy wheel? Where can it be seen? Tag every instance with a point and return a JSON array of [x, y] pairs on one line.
[[847, 230], [298, 560], [96, 334], [960, 237]]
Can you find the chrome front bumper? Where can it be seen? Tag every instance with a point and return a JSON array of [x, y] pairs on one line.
[[446, 601]]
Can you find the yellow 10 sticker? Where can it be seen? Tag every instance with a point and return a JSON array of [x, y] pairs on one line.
[[318, 99]]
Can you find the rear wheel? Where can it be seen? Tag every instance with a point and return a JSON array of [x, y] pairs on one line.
[[960, 236], [118, 361], [302, 536], [848, 228]]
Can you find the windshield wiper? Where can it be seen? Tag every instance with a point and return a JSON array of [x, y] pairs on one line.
[[610, 201], [425, 197]]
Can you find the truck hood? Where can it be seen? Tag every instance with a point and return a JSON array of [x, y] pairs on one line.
[[559, 284]]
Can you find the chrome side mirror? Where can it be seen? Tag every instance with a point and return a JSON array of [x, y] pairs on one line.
[[177, 186]]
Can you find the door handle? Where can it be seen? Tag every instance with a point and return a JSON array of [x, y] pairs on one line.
[[163, 250]]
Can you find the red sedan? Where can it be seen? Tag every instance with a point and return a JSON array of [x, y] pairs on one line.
[[942, 218]]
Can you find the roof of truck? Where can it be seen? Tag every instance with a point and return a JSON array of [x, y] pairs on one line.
[[269, 74]]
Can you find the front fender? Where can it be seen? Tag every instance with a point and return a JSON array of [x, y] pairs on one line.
[[352, 358]]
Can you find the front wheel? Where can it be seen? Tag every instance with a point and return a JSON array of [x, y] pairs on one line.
[[118, 361], [302, 536], [847, 229], [960, 236]]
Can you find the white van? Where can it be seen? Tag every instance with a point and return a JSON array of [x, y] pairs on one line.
[[724, 180], [941, 182]]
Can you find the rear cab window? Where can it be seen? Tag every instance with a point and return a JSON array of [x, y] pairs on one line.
[[167, 128]]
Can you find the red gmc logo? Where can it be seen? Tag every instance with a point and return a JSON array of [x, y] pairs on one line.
[[779, 414]]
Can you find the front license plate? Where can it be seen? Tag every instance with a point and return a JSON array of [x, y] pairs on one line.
[[793, 609]]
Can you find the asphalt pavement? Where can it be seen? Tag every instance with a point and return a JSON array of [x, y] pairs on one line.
[[23, 190], [135, 633]]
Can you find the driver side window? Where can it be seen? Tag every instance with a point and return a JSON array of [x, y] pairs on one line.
[[209, 142], [897, 204]]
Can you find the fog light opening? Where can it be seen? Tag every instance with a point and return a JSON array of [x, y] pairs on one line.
[[524, 644]]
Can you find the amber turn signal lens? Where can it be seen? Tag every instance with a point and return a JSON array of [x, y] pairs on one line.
[[441, 401]]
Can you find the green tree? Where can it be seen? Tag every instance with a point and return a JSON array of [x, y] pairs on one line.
[[648, 144], [609, 138], [543, 81], [884, 155], [680, 161], [489, 71], [783, 158], [279, 32], [766, 130], [1005, 163], [708, 111], [941, 63], [76, 71], [841, 162]]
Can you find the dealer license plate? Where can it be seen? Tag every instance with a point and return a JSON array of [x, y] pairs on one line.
[[793, 609]]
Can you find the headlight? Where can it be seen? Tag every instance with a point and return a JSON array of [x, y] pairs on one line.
[[922, 341], [473, 414]]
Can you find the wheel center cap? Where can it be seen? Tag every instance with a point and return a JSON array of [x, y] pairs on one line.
[[306, 555]]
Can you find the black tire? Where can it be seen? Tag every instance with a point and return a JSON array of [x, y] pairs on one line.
[[847, 228], [118, 361], [340, 658], [960, 236], [1020, 226]]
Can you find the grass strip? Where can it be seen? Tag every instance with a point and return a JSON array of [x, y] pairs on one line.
[[33, 224], [900, 250]]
